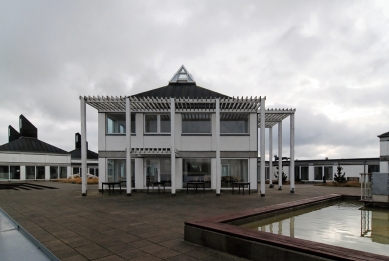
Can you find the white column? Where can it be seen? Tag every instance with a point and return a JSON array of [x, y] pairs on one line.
[[291, 171], [83, 146], [172, 145], [271, 157], [218, 161], [280, 155], [128, 146], [262, 146]]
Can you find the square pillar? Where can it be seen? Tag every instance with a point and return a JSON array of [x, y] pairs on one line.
[[262, 146], [271, 157], [218, 160], [172, 145], [83, 146], [280, 155], [291, 171], [128, 146]]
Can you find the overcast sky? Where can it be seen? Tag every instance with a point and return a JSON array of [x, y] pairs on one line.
[[327, 59]]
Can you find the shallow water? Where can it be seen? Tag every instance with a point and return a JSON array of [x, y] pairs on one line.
[[339, 223]]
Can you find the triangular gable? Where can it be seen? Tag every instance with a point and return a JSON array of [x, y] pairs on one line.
[[182, 76]]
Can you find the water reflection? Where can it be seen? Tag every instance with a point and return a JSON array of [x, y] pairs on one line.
[[347, 224]]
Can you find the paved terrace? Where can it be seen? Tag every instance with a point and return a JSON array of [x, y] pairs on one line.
[[140, 227]]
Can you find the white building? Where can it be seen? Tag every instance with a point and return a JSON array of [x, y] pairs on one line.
[[25, 157], [181, 133]]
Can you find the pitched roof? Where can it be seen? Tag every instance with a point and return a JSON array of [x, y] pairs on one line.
[[76, 154], [27, 144], [180, 90], [384, 135], [182, 85]]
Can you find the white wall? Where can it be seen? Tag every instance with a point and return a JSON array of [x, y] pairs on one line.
[[384, 148], [39, 158], [102, 171], [384, 166], [179, 173], [139, 173], [350, 170]]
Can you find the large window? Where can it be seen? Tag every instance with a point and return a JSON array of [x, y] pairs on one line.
[[318, 173], [30, 172], [14, 172], [4, 172], [234, 123], [116, 123], [158, 170], [328, 173], [304, 173], [234, 170], [196, 123], [116, 171], [40, 172], [373, 168], [63, 172], [53, 172], [196, 170], [157, 123]]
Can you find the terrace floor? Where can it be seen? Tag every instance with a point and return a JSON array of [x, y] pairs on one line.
[[140, 227]]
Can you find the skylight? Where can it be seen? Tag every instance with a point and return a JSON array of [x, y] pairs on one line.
[[182, 76]]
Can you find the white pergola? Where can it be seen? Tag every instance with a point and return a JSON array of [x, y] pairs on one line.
[[128, 104], [273, 117]]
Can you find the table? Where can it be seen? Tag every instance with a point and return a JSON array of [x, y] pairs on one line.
[[111, 184], [195, 183], [240, 184], [157, 183]]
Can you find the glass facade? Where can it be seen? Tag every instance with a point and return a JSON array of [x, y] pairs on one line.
[[4, 172], [116, 171], [304, 173], [14, 172], [157, 123], [328, 173], [30, 172], [158, 170], [40, 172], [53, 172], [116, 123], [193, 123], [196, 170], [234, 170], [318, 173], [63, 172], [234, 123]]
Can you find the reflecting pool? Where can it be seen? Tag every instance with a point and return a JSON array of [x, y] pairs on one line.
[[340, 223]]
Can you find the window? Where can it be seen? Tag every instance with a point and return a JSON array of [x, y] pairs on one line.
[[63, 172], [53, 172], [116, 171], [196, 170], [328, 173], [30, 172], [234, 170], [14, 172], [234, 123], [116, 123], [373, 168], [196, 123], [304, 173], [4, 172], [319, 173], [40, 172], [157, 123]]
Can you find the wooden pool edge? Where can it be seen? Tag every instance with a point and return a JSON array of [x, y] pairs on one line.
[[219, 233]]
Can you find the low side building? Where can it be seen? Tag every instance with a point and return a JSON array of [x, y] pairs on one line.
[[384, 152], [92, 159], [25, 157]]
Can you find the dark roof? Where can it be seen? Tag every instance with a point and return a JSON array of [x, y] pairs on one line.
[[13, 134], [181, 90], [76, 154], [384, 135], [26, 144]]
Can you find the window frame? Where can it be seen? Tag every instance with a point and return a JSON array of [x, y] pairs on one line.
[[235, 133], [133, 124], [196, 133], [159, 132]]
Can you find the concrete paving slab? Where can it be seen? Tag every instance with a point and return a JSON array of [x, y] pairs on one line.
[[150, 226]]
